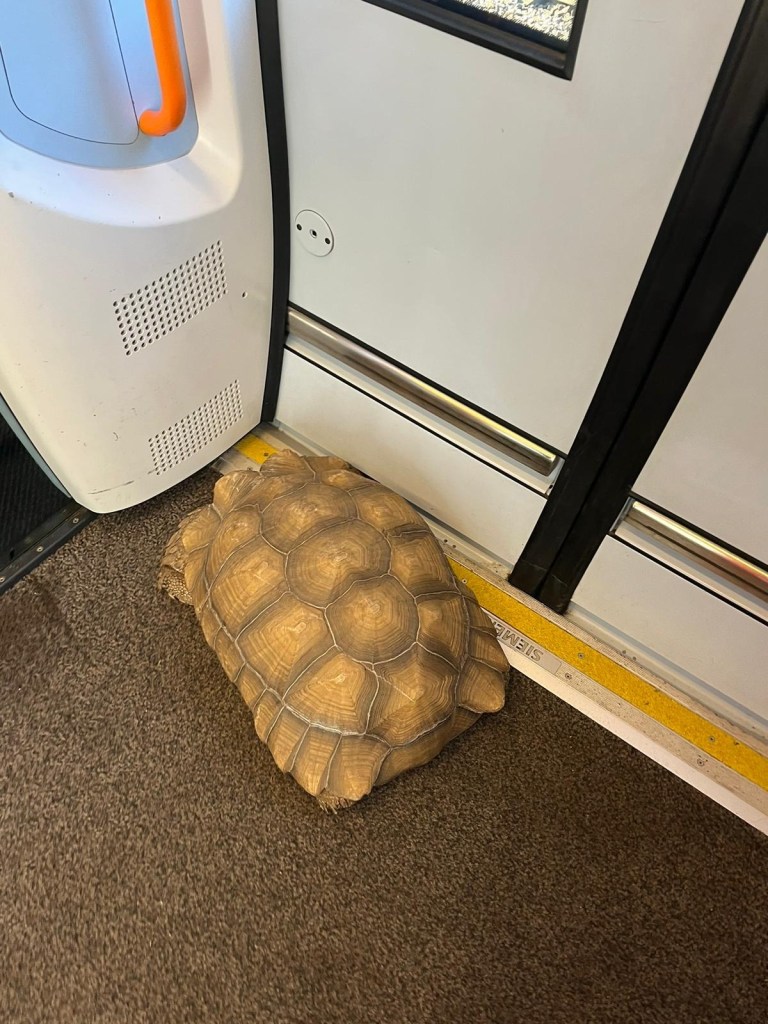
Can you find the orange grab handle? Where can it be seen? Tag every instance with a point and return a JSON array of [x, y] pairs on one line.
[[173, 92]]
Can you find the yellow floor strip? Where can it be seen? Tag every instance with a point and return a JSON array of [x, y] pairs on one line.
[[710, 738], [713, 740], [255, 448]]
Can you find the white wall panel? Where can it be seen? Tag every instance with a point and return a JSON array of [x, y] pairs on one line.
[[710, 465], [706, 647], [491, 221]]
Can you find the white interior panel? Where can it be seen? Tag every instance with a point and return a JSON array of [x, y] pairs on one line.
[[710, 465], [75, 77], [707, 648], [135, 303], [491, 221], [65, 70], [484, 505]]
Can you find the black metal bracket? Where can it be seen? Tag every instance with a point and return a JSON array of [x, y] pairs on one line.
[[277, 141], [44, 541]]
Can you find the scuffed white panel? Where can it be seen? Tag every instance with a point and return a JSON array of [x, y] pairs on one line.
[[711, 463], [707, 648]]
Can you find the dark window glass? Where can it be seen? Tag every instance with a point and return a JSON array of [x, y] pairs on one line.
[[544, 33], [552, 19]]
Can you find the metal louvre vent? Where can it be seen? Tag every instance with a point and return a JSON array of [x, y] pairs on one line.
[[161, 306], [198, 428]]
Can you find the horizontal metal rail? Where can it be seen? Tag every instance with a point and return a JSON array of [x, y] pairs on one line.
[[407, 385], [739, 570]]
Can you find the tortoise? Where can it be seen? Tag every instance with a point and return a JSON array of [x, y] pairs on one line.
[[331, 606]]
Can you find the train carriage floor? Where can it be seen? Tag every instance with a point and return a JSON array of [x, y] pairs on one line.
[[156, 866]]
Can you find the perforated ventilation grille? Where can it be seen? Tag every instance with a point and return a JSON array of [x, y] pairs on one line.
[[161, 306], [197, 429]]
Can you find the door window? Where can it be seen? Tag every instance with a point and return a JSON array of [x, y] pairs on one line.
[[548, 20], [544, 33]]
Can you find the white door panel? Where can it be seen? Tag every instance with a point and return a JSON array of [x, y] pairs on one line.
[[709, 649], [491, 221], [710, 465]]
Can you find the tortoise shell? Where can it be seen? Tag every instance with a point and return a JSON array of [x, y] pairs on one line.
[[333, 609]]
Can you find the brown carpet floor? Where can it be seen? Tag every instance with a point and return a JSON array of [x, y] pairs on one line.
[[155, 865]]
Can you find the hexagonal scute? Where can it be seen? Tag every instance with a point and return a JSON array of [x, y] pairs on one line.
[[274, 487], [416, 693], [285, 737], [284, 640], [335, 692], [295, 517], [385, 510], [323, 567], [479, 618], [251, 686], [253, 578], [345, 479], [443, 627], [210, 623], [375, 620], [236, 529], [422, 750], [485, 647], [287, 463], [354, 767], [199, 527], [320, 464], [290, 463], [312, 760], [420, 565], [481, 688], [228, 654], [265, 712], [234, 488], [195, 577]]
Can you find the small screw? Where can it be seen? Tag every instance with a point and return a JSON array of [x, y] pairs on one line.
[[76, 520], [39, 549], [2, 579]]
